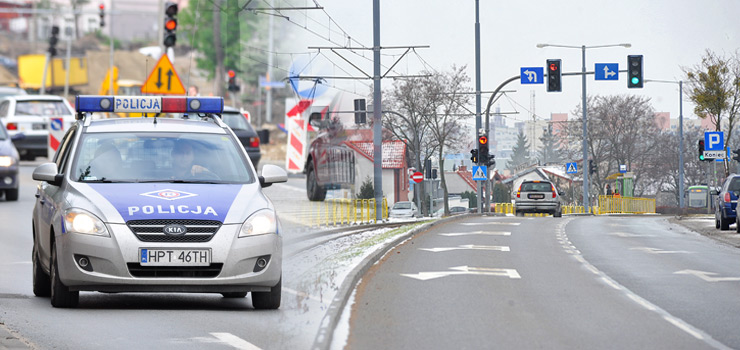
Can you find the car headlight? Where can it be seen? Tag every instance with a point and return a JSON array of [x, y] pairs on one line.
[[6, 161], [260, 223], [81, 221]]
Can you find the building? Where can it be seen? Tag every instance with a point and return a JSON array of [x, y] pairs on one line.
[[395, 170]]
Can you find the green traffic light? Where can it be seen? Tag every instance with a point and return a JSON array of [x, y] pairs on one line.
[[635, 80], [701, 157]]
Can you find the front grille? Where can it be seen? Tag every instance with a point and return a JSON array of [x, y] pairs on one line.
[[136, 270], [153, 230]]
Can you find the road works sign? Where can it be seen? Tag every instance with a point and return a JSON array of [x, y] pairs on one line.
[[163, 79]]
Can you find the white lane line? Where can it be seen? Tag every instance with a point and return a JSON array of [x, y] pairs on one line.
[[659, 251], [644, 303], [684, 326], [490, 223], [468, 246], [483, 233], [302, 294], [235, 342], [611, 283]]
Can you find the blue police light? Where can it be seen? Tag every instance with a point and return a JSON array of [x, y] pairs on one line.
[[149, 104]]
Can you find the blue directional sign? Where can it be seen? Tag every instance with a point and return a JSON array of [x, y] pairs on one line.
[[571, 168], [480, 173], [532, 75], [606, 71], [714, 141]]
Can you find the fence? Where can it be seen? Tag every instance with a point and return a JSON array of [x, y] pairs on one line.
[[626, 205], [336, 212]]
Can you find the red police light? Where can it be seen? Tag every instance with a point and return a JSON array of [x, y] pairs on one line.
[[231, 74], [483, 140], [171, 24]]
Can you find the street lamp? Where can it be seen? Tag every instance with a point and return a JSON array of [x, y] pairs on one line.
[[680, 135], [583, 102]]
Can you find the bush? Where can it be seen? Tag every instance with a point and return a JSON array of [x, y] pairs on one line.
[[472, 198], [367, 190]]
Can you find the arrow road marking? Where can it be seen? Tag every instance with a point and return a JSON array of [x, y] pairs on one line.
[[468, 246], [658, 251], [487, 233], [465, 270], [607, 72], [707, 276], [531, 75]]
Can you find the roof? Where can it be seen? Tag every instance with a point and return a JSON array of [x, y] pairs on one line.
[[394, 152]]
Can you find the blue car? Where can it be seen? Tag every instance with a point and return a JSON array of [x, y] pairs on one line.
[[724, 212]]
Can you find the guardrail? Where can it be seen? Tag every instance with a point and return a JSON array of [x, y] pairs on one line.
[[508, 208], [626, 205], [336, 212]]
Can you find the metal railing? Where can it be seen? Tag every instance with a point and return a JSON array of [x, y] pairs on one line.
[[337, 212], [626, 205]]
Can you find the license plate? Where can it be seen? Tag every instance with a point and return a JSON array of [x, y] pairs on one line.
[[536, 196], [38, 126], [174, 257]]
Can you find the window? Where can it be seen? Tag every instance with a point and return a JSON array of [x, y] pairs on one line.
[[235, 121], [536, 187], [43, 108]]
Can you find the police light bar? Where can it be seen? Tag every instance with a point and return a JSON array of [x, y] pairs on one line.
[[149, 104]]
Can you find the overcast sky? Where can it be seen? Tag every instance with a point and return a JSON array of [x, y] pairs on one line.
[[671, 34]]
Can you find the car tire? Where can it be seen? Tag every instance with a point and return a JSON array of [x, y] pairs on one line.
[[724, 224], [315, 192], [737, 224], [61, 296], [268, 300], [41, 280], [234, 295], [558, 213], [11, 194], [716, 220]]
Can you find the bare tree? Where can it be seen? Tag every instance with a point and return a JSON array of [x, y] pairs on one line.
[[77, 5], [714, 86]]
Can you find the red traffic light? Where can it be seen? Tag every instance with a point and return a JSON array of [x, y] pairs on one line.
[[231, 73], [553, 67], [102, 7], [483, 140], [170, 24]]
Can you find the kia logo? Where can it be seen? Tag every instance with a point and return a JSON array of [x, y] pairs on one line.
[[175, 230]]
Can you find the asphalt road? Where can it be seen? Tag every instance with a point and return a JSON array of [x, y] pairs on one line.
[[579, 282]]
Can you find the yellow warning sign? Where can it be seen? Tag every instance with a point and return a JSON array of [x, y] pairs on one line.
[[163, 79]]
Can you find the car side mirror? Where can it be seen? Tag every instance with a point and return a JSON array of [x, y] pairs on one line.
[[48, 172], [713, 192], [272, 174]]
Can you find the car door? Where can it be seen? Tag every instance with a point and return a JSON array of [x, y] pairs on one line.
[[49, 200]]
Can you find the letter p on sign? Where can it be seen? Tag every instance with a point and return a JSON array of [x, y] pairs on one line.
[[714, 140]]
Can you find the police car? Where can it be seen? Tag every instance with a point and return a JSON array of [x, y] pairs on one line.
[[155, 205]]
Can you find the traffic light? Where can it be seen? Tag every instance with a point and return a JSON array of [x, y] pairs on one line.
[[53, 40], [491, 160], [474, 155], [170, 24], [483, 149], [634, 71], [102, 15], [701, 150], [232, 81], [360, 115], [592, 167], [554, 76], [737, 155]]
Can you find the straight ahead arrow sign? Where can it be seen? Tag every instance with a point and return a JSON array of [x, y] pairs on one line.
[[464, 270]]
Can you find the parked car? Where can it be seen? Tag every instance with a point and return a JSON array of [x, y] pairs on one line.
[[28, 116], [8, 166], [726, 201], [403, 210], [537, 197], [11, 91], [244, 131]]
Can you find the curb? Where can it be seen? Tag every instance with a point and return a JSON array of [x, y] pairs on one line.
[[9, 341], [325, 334]]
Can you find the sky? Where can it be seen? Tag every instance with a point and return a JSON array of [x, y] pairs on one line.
[[670, 34]]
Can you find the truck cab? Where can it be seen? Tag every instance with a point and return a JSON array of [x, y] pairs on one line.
[[330, 163]]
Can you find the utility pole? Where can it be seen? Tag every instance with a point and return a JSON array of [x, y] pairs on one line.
[[377, 121], [478, 99], [270, 45]]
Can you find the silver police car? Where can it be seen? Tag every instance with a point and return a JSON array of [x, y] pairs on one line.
[[155, 205]]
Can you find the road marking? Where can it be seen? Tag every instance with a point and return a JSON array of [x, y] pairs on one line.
[[235, 342], [484, 233], [289, 187], [490, 223], [707, 276], [659, 251], [468, 246], [465, 270], [683, 326]]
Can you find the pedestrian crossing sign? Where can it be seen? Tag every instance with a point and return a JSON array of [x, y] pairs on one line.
[[480, 173], [571, 168]]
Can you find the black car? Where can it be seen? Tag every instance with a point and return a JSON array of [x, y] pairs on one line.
[[244, 131], [8, 166]]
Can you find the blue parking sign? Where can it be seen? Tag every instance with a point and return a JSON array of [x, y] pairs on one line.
[[714, 141]]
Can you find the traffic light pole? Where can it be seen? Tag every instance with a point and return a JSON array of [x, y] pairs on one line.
[[478, 100]]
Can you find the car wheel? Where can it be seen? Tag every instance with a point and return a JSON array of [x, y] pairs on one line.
[[234, 295], [268, 300], [716, 220], [737, 224], [724, 224], [61, 296], [558, 213], [41, 281], [11, 194], [315, 192]]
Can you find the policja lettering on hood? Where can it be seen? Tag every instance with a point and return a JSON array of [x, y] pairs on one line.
[[163, 209]]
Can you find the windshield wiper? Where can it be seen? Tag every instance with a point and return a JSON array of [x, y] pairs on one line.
[[104, 180], [179, 181]]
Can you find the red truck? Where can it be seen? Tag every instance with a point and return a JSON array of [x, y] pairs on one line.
[[330, 163]]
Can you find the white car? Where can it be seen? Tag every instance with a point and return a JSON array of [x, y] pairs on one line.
[[403, 210], [155, 205], [27, 119]]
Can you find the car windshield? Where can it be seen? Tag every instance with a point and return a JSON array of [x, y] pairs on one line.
[[41, 108], [536, 187], [160, 157], [3, 133], [235, 121], [402, 205]]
